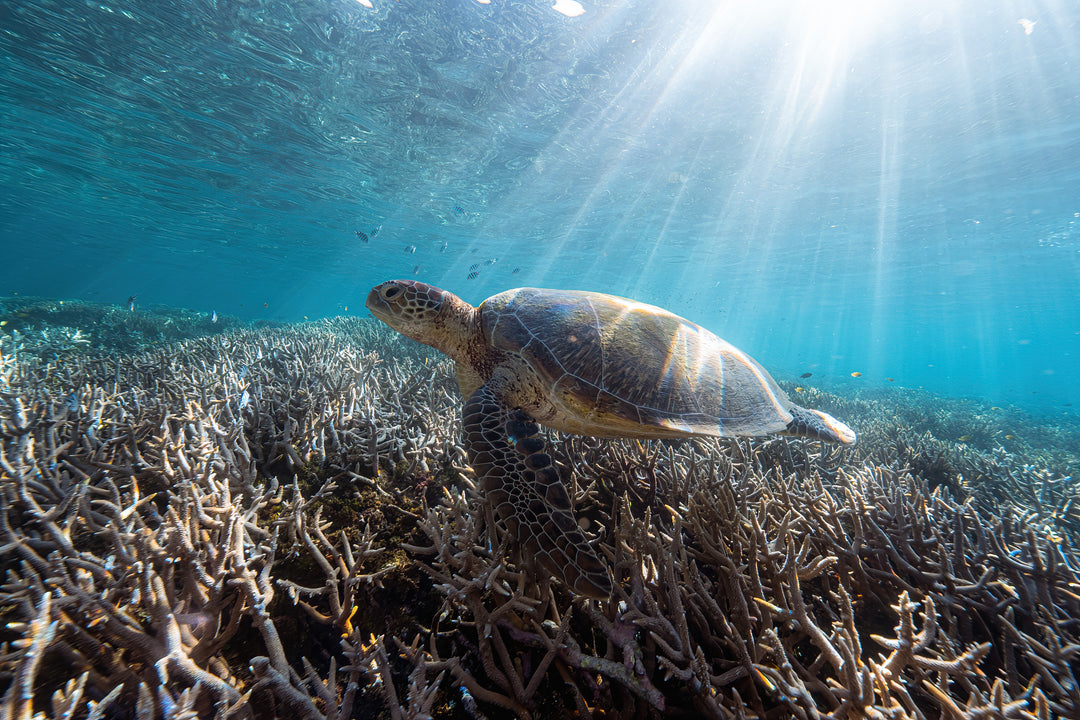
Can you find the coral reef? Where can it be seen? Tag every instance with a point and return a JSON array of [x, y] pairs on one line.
[[282, 524], [54, 329]]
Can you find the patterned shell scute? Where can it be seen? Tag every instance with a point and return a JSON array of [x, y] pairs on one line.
[[625, 366]]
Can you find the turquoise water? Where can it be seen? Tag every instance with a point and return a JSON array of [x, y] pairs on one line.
[[891, 189]]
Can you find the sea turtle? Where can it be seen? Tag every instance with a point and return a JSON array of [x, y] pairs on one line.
[[589, 364]]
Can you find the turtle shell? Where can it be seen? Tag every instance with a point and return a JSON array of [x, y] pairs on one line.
[[618, 368]]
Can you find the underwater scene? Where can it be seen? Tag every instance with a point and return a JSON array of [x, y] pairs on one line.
[[539, 359]]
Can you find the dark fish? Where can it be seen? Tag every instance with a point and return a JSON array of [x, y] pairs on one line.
[[474, 266], [410, 248], [515, 271], [473, 275], [376, 230], [806, 375], [416, 270], [131, 302], [459, 210], [362, 235]]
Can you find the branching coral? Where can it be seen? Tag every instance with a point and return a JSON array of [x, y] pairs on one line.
[[283, 525]]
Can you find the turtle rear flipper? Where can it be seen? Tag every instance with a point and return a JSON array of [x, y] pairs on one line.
[[527, 495], [816, 424]]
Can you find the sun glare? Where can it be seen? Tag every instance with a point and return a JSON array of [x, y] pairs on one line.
[[843, 20], [569, 8]]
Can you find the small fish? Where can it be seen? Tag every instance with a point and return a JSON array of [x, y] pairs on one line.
[[891, 379], [213, 317], [473, 275], [346, 308], [3, 323], [799, 389], [492, 261], [474, 266], [445, 245], [1009, 437], [416, 270], [266, 305], [410, 248], [243, 372], [131, 302], [459, 210], [1028, 25], [806, 375], [965, 438], [995, 407], [245, 398], [362, 235], [376, 230], [515, 271], [71, 402], [856, 374]]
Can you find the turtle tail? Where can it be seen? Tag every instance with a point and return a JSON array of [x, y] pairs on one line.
[[528, 497], [818, 425]]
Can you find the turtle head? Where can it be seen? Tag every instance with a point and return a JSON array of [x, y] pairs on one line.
[[422, 312]]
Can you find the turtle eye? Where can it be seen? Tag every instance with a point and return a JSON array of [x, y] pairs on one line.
[[391, 291]]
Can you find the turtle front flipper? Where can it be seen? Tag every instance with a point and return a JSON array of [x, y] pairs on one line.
[[819, 425], [527, 495]]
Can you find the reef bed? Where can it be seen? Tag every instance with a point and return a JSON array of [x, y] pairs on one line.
[[281, 523]]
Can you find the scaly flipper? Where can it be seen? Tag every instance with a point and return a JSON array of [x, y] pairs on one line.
[[527, 494], [816, 424]]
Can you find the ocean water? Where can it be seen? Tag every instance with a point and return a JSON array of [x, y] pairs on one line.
[[837, 187]]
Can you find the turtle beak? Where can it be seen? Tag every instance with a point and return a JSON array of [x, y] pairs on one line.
[[374, 303], [379, 300]]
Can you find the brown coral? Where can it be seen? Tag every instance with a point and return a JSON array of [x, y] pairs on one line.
[[283, 525]]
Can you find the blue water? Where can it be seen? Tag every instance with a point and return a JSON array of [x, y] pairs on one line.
[[891, 189]]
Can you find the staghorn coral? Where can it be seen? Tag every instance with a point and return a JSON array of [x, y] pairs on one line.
[[45, 327], [282, 525]]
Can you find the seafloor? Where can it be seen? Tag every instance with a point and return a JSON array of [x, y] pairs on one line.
[[210, 519]]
